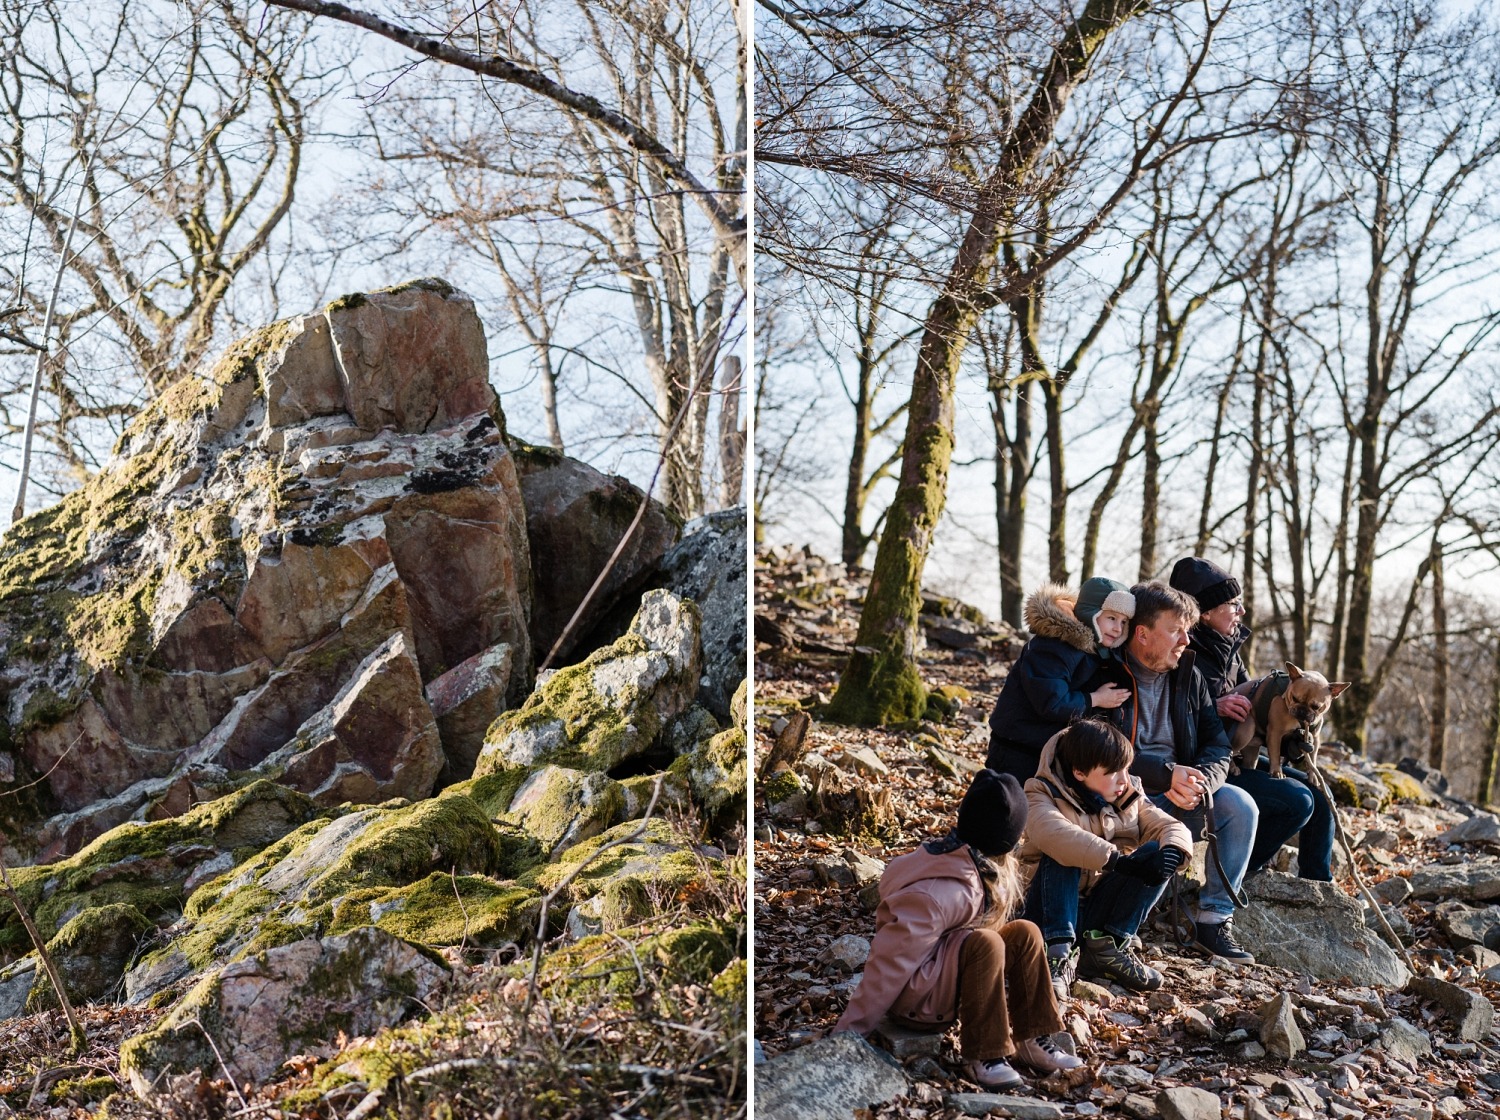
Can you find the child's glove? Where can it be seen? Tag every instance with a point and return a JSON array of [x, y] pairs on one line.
[[1150, 863]]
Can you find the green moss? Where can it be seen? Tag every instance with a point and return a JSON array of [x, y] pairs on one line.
[[689, 954], [730, 986], [1401, 786], [347, 302], [444, 910], [1345, 792], [139, 863], [83, 1090], [781, 786]]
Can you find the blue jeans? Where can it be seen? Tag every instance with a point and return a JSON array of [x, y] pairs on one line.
[[1288, 806], [1235, 819], [1118, 904]]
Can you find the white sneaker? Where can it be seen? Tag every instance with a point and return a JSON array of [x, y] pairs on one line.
[[1043, 1054], [995, 1075]]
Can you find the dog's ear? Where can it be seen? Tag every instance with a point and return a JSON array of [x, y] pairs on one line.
[[1337, 687], [1292, 670]]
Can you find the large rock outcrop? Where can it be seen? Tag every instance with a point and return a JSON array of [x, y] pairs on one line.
[[278, 558]]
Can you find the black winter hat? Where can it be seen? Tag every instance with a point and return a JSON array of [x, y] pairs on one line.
[[992, 813], [1205, 581]]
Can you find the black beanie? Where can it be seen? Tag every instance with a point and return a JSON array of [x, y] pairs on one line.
[[1205, 581], [993, 813]]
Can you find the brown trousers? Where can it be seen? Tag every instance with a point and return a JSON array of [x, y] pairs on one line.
[[1004, 991]]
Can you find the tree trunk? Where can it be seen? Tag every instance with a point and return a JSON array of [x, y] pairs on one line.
[[1150, 492], [1438, 740], [852, 550], [1057, 511], [1341, 552], [1301, 609], [1486, 793], [1252, 502], [881, 683], [1200, 546], [731, 435]]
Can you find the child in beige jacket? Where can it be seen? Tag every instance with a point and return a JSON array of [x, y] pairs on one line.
[[1103, 851]]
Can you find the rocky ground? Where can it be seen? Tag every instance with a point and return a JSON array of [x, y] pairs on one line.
[[1330, 1022], [301, 824]]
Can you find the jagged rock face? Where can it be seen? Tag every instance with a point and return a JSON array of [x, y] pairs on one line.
[[283, 553], [575, 519]]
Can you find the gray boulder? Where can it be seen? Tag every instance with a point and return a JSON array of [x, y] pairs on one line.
[[1315, 928], [1475, 881], [1469, 925], [1480, 829], [1471, 1012], [262, 1010], [828, 1078], [708, 567], [575, 519]]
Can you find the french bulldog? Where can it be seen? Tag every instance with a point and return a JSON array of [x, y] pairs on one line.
[[1280, 703]]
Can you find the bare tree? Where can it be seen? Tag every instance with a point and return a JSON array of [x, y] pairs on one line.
[[181, 130], [565, 198], [1409, 123]]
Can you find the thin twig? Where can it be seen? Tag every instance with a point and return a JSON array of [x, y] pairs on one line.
[[214, 1046], [1338, 823], [77, 1039]]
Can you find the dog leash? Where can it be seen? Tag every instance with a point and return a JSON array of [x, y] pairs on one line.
[[1183, 928]]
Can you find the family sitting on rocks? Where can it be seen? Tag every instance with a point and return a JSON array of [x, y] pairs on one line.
[[1114, 719]]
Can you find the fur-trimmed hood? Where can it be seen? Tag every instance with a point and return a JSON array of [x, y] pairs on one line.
[[1049, 614]]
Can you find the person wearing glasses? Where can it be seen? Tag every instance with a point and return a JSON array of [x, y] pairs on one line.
[[1287, 807]]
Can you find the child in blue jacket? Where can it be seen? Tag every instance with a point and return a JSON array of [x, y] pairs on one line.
[[1058, 677]]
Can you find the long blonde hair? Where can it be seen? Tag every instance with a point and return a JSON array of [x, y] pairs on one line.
[[1001, 879]]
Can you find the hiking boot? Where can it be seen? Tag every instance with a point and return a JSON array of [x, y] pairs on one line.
[[1217, 939], [1063, 968], [1044, 1056], [998, 1074], [1103, 957]]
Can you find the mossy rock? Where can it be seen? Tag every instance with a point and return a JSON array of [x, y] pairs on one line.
[[614, 705], [562, 807], [1345, 791], [731, 987], [1403, 787], [91, 953], [739, 704], [443, 910], [83, 1090], [717, 774], [622, 885], [781, 787], [694, 953], [146, 865], [293, 889]]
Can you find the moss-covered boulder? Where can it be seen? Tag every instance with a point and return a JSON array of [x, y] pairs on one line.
[[611, 707], [253, 1014], [149, 866], [334, 481], [619, 879], [693, 952], [562, 807], [91, 953], [1401, 786]]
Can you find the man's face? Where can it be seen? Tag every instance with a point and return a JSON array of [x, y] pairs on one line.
[[1159, 646]]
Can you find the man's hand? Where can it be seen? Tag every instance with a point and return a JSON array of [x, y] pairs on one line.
[[1187, 788], [1109, 696], [1234, 706]]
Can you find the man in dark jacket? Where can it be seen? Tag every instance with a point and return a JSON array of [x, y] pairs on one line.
[[1182, 752], [1287, 807]]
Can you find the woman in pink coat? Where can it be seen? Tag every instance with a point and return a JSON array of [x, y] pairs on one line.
[[945, 948]]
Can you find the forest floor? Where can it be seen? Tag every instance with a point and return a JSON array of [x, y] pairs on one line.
[[807, 615]]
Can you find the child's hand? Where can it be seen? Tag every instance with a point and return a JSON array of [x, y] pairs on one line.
[[1109, 696]]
